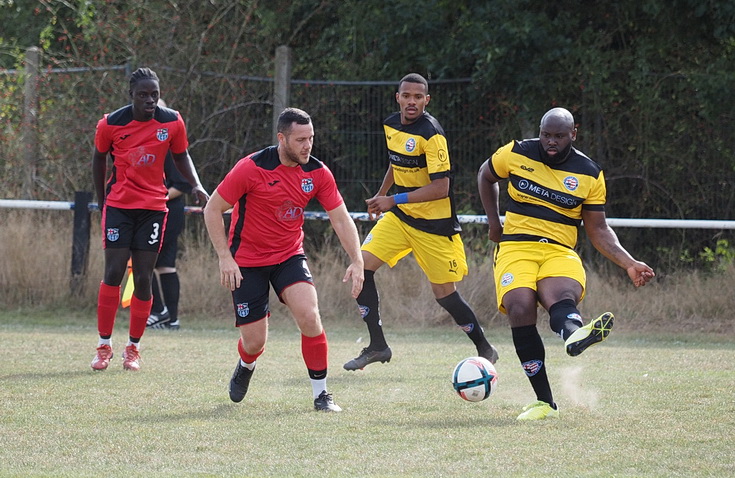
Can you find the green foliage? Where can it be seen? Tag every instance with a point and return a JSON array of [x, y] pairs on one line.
[[720, 257], [648, 83]]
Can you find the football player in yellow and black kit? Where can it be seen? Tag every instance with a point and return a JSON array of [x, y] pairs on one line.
[[419, 218], [553, 189]]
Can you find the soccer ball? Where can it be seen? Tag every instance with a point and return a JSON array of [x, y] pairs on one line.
[[474, 379]]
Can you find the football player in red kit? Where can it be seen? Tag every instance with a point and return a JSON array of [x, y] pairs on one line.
[[268, 192], [137, 137]]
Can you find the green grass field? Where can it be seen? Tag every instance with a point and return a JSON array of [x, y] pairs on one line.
[[633, 406]]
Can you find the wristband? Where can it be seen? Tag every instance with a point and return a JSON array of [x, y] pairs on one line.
[[400, 198]]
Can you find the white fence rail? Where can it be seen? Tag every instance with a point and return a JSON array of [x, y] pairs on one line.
[[363, 216]]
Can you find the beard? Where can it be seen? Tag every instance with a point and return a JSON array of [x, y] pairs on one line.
[[556, 159]]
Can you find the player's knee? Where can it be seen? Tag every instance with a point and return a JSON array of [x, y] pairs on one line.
[[561, 312]]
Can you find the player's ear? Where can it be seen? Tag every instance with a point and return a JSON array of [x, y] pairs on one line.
[[428, 98], [574, 134]]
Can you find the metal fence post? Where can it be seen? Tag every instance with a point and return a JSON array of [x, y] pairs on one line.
[[80, 241], [29, 127], [281, 85]]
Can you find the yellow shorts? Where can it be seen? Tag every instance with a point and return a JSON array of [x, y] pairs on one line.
[[523, 264], [441, 258]]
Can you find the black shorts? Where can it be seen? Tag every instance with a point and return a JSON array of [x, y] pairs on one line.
[[174, 226], [251, 298], [134, 229]]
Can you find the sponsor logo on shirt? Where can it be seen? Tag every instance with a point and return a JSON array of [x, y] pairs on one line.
[[289, 212]]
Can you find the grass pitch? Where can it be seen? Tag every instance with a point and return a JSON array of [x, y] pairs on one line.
[[633, 406]]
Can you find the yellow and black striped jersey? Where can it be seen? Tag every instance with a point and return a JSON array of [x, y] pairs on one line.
[[546, 201], [418, 154]]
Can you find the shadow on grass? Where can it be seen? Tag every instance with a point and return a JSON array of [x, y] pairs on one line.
[[45, 376]]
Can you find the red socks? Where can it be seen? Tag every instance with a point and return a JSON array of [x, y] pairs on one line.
[[139, 312], [315, 351], [246, 357], [108, 300]]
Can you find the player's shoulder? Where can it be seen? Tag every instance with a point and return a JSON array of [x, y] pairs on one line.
[[393, 120], [119, 117], [314, 164], [579, 162], [266, 158], [529, 148], [425, 126], [165, 115]]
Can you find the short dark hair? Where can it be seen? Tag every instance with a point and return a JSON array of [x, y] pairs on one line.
[[142, 74], [290, 116], [414, 78]]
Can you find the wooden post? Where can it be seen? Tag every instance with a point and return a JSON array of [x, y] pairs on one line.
[[29, 132], [281, 85], [80, 242]]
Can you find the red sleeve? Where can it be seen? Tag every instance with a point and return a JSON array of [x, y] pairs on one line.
[[180, 141], [329, 196], [235, 185], [102, 140]]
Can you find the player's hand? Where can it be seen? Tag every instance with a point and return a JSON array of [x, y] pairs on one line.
[[201, 196], [640, 273], [229, 272], [379, 204], [494, 232], [357, 274]]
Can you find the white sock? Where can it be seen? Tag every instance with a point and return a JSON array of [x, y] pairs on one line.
[[249, 366], [137, 346], [318, 386], [104, 342]]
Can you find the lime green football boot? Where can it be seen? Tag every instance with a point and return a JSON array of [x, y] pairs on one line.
[[538, 410], [593, 333]]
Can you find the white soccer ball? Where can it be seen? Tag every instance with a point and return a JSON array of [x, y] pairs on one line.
[[474, 379]]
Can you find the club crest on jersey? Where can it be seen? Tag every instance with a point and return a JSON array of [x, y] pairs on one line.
[[410, 145], [242, 309], [571, 183], [307, 185], [113, 234], [162, 134]]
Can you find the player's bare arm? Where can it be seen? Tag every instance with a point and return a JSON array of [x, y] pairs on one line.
[[606, 241], [436, 189], [186, 167], [487, 185], [346, 230], [99, 171], [388, 181], [230, 276]]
